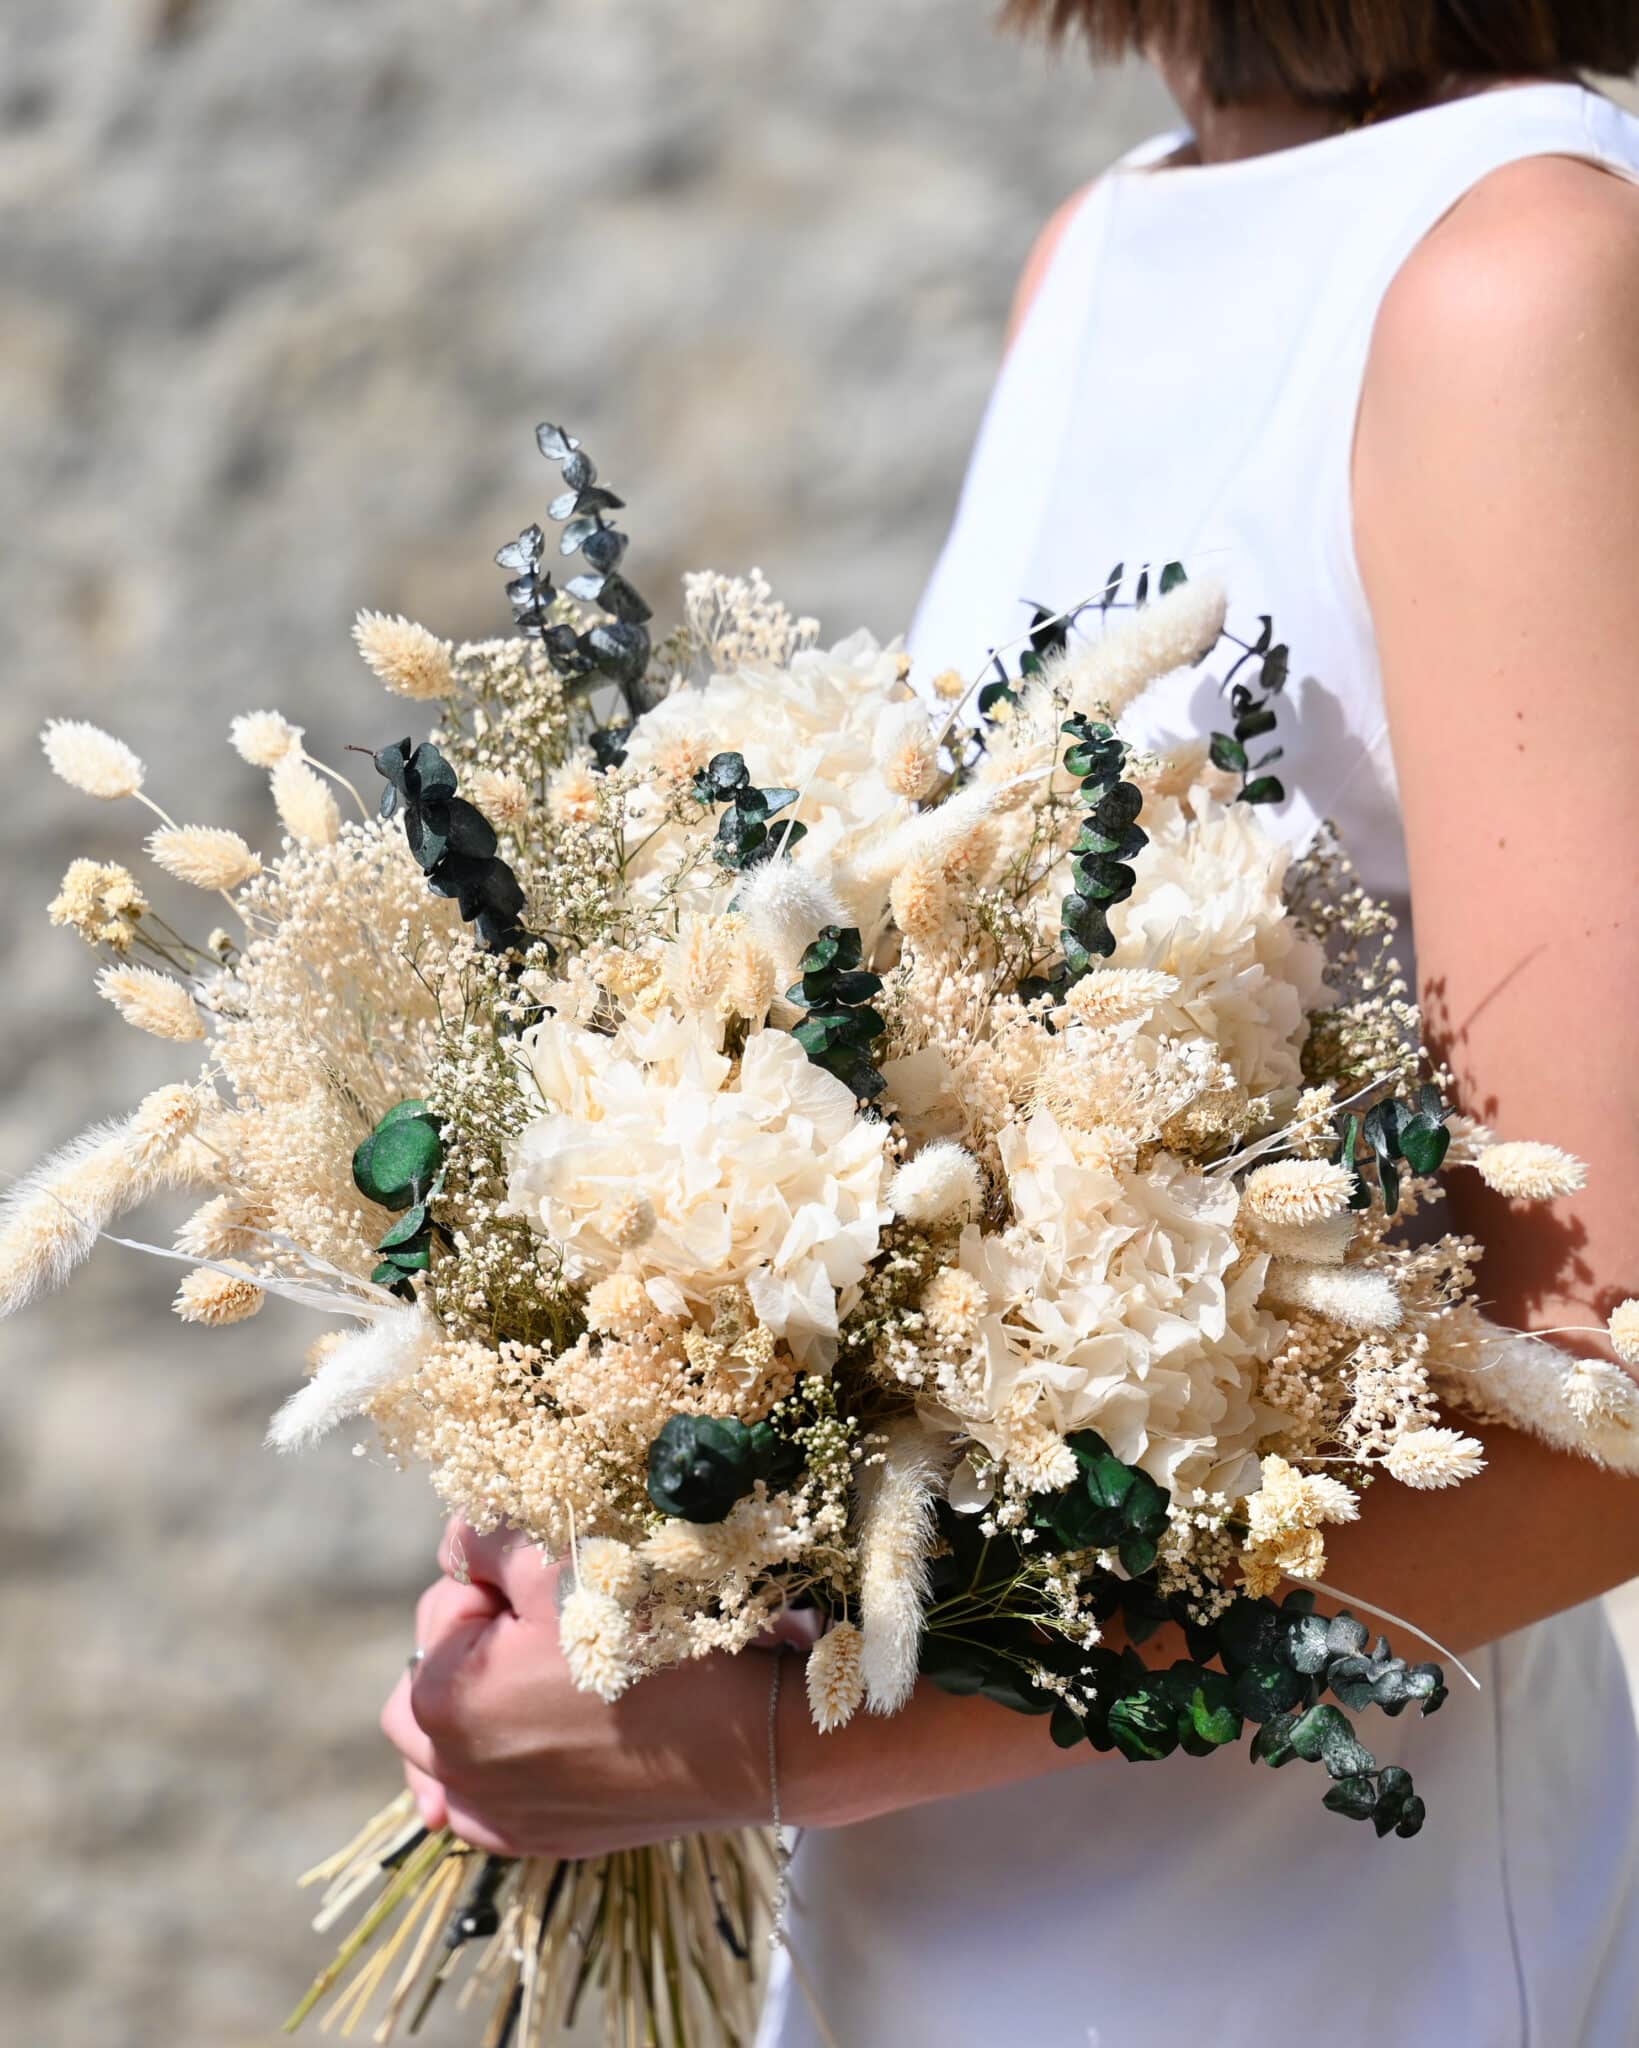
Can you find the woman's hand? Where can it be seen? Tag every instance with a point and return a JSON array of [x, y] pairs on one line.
[[498, 1743]]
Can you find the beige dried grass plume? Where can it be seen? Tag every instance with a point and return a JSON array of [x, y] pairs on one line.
[[411, 661], [836, 1677], [1624, 1331], [162, 1120], [1431, 1458], [1297, 1191], [216, 1298], [263, 738], [1527, 1171], [306, 808], [896, 1537], [206, 856], [50, 1220], [91, 760], [154, 1002]]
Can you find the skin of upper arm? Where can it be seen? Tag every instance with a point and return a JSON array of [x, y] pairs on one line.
[[1496, 492], [1039, 262]]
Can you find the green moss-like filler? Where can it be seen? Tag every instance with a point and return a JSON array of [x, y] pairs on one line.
[[841, 1026], [1258, 1662]]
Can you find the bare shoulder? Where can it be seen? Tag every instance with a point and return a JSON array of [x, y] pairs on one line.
[[1534, 270]]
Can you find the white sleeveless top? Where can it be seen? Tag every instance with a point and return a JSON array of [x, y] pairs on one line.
[[1185, 387]]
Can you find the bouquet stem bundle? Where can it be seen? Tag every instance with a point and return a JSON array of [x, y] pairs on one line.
[[669, 1938]]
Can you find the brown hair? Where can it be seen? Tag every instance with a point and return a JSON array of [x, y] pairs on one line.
[[1348, 52]]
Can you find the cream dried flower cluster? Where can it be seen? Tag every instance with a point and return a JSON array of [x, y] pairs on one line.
[[912, 1138]]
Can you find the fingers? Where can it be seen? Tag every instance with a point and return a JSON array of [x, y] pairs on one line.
[[445, 1606], [474, 1828], [429, 1798], [505, 1562], [404, 1732]]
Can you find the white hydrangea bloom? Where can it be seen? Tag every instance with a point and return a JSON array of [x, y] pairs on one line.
[[1125, 1304], [656, 1157], [1208, 909], [811, 727]]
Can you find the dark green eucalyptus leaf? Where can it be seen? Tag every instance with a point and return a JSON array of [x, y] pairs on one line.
[[1306, 1648], [699, 1466], [1067, 1727], [432, 779], [1355, 1797], [408, 1226], [1254, 723], [604, 547], [1211, 1710], [724, 774], [1171, 576], [1264, 789], [412, 1106], [1425, 1143], [1263, 1690], [394, 1162], [427, 828], [1272, 1744], [1144, 1724]]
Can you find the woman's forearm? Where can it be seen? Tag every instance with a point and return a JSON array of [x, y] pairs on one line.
[[1535, 1534]]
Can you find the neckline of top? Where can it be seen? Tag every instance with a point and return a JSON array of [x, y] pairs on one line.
[[1145, 165]]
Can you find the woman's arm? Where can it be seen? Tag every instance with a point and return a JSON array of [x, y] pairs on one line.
[[1497, 520], [1497, 512]]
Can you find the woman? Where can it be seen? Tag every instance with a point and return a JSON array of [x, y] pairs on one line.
[[1366, 341]]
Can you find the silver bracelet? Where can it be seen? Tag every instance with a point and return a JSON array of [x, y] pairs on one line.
[[782, 1858]]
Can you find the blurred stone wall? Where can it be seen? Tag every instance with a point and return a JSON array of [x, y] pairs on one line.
[[284, 287]]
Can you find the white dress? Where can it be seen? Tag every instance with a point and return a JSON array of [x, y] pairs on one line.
[[1185, 387]]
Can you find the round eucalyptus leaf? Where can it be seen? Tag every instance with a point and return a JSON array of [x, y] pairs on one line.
[[391, 1164], [557, 444], [409, 1225]]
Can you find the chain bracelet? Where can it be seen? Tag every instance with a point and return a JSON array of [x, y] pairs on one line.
[[782, 1858]]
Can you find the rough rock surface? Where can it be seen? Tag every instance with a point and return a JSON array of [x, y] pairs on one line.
[[282, 291]]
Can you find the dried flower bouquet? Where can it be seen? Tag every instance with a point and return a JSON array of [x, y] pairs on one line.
[[784, 1130]]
